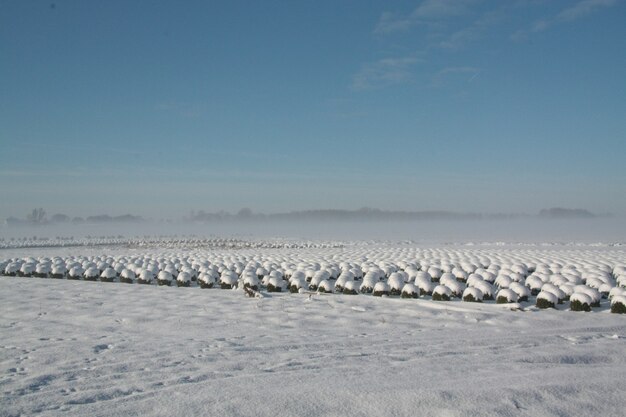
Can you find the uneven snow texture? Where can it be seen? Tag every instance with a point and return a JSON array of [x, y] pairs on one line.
[[94, 349]]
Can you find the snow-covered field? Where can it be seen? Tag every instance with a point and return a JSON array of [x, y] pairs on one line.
[[97, 348]]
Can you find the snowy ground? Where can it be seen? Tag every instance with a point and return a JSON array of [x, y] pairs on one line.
[[92, 348]]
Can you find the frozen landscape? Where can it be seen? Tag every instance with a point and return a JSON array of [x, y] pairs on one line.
[[313, 208], [80, 347]]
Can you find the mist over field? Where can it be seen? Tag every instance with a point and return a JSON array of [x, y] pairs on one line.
[[605, 230]]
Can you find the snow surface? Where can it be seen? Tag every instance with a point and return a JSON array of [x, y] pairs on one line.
[[92, 348]]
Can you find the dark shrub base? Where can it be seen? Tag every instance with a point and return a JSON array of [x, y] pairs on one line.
[[578, 306], [366, 290], [470, 299], [541, 303], [424, 292], [502, 300], [126, 280], [271, 288], [40, 275], [380, 293], [164, 282], [74, 277], [205, 285], [395, 291], [252, 287], [349, 292], [183, 284], [107, 279], [408, 295], [522, 299], [57, 276], [441, 297], [225, 286], [618, 308], [90, 278], [294, 289], [143, 281]]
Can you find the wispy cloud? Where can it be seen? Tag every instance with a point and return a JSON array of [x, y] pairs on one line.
[[474, 31], [583, 8], [578, 11], [468, 74], [384, 72], [427, 11]]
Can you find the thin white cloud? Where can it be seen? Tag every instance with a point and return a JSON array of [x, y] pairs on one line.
[[427, 11], [468, 74], [384, 72], [583, 8], [578, 11]]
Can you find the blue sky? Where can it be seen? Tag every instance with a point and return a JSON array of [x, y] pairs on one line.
[[157, 108]]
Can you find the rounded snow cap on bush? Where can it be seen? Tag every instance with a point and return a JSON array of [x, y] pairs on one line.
[[546, 299], [473, 294], [442, 293], [506, 295], [410, 291], [351, 287], [381, 288], [580, 302], [618, 304]]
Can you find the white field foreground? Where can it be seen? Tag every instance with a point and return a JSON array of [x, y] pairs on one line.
[[97, 348]]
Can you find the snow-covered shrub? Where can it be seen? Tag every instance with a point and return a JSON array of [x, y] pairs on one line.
[[534, 282], [459, 274], [442, 293], [425, 285], [381, 288], [580, 302], [410, 291], [251, 280], [369, 281], [446, 279], [164, 278], [473, 294], [486, 289], [108, 275], [12, 268], [27, 269], [350, 288], [207, 279], [503, 281], [595, 295], [618, 304], [560, 294], [91, 274], [183, 279], [76, 272], [127, 276], [435, 273], [275, 284], [318, 277], [617, 291], [297, 282], [396, 282], [506, 295], [341, 282], [228, 279], [58, 271], [546, 299], [456, 288], [325, 286], [522, 291], [145, 276], [42, 270]]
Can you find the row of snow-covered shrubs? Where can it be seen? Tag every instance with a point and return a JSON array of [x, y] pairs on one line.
[[552, 284]]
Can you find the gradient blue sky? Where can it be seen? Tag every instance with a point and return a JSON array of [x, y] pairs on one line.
[[157, 108]]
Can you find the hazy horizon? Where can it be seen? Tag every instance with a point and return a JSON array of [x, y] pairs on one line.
[[157, 109]]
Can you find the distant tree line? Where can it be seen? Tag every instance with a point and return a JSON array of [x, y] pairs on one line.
[[38, 217]]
